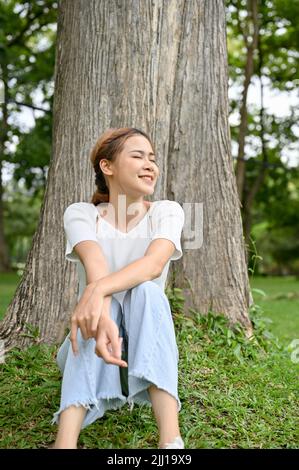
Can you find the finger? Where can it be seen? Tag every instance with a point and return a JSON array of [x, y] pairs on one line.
[[116, 346], [83, 329], [94, 326], [73, 337], [117, 356], [103, 352]]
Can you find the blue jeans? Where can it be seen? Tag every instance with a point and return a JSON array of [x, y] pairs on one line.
[[146, 325]]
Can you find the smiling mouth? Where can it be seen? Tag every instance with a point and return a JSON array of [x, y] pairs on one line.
[[147, 178]]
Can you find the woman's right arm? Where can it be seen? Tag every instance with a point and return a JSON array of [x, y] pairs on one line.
[[108, 343], [96, 267]]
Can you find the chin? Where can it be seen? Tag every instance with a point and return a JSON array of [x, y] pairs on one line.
[[145, 193], [149, 191]]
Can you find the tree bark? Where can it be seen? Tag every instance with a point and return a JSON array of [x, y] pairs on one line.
[[162, 67], [251, 193], [200, 167]]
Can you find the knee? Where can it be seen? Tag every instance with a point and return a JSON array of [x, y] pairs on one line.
[[145, 293], [149, 292], [147, 286]]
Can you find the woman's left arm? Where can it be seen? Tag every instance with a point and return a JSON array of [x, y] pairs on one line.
[[149, 267]]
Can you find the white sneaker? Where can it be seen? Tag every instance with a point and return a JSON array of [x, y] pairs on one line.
[[177, 443]]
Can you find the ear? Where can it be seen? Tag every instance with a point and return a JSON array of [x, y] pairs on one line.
[[105, 166]]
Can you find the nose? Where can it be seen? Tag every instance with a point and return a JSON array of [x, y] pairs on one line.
[[149, 165]]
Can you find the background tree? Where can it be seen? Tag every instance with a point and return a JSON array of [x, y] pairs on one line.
[[263, 48], [173, 84]]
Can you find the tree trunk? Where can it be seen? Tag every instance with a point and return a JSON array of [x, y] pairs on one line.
[[249, 70], [249, 194], [199, 153], [158, 66]]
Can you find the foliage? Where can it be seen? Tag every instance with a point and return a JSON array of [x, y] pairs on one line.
[[32, 155], [21, 214], [276, 65], [27, 52], [216, 327], [278, 22], [175, 298]]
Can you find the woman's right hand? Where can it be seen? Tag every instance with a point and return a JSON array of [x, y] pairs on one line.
[[86, 316], [108, 342]]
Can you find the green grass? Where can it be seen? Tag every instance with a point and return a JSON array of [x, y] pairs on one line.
[[8, 285], [281, 304], [235, 393]]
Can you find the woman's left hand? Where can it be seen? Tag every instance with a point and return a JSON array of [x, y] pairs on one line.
[[108, 342]]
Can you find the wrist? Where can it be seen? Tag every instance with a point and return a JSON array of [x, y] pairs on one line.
[[91, 286], [99, 288], [105, 314]]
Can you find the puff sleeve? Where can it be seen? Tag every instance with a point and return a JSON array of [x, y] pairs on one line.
[[79, 225], [168, 221]]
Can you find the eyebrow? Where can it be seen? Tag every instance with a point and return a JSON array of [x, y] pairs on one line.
[[141, 151]]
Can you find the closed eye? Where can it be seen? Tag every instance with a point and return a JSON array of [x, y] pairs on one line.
[[138, 156]]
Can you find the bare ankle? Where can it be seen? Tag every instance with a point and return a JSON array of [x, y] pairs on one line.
[[64, 445]]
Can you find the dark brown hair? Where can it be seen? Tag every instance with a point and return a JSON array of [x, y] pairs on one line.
[[108, 146]]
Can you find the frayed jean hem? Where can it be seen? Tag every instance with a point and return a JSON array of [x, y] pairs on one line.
[[96, 408]]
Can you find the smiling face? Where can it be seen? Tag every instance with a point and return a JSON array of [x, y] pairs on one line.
[[135, 171]]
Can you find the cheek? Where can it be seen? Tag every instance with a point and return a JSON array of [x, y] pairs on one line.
[[133, 166], [129, 171]]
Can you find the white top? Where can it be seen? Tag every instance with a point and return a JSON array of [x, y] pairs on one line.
[[164, 219]]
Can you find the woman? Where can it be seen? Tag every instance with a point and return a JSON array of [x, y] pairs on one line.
[[123, 246]]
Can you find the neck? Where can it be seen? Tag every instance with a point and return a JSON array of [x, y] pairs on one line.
[[125, 208]]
